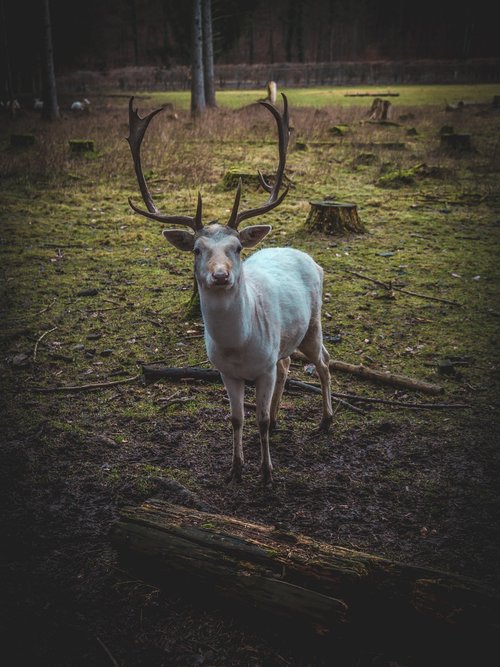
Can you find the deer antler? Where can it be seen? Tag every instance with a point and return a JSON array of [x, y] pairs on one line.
[[274, 198], [137, 130]]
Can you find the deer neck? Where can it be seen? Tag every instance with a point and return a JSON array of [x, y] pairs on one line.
[[228, 314]]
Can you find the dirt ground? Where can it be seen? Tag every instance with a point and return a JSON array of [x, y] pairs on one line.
[[68, 602]]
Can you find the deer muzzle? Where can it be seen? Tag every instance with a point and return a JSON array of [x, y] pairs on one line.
[[220, 277]]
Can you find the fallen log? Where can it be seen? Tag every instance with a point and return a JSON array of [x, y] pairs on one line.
[[380, 377], [325, 590], [154, 372]]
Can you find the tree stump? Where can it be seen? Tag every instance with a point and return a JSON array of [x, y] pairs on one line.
[[272, 92], [380, 109], [233, 175], [22, 140], [332, 217], [192, 310], [456, 142], [313, 586], [81, 145]]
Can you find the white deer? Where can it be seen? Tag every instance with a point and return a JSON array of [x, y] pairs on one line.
[[256, 312]]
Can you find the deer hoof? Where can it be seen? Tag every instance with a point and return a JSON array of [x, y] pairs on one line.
[[267, 479], [325, 424], [234, 476]]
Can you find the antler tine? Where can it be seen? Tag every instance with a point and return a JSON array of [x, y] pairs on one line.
[[234, 211], [137, 130], [274, 200]]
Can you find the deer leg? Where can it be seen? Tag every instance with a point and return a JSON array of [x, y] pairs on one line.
[[236, 391], [264, 387], [281, 374], [312, 347]]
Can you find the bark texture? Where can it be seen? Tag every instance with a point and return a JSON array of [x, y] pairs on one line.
[[322, 588], [330, 217]]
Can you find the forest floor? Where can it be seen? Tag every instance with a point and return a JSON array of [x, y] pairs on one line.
[[90, 292]]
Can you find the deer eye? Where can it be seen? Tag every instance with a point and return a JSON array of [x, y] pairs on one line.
[[197, 251], [239, 249]]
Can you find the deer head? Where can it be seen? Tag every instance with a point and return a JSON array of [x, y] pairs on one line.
[[216, 247]]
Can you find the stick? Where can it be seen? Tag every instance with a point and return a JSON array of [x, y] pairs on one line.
[[390, 287], [317, 390], [385, 401], [380, 377], [85, 387], [154, 373], [108, 652], [45, 333]]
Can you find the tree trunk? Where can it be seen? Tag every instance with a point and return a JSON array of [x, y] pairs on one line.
[[50, 109], [456, 142], [135, 36], [208, 54], [8, 70], [318, 587], [332, 217], [193, 306], [380, 109], [197, 82]]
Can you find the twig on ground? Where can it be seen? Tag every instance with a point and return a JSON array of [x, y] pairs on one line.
[[107, 651], [85, 387], [316, 390], [389, 287], [45, 333], [387, 401]]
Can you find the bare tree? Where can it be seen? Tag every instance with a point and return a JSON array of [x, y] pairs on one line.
[[50, 104], [8, 70], [198, 103], [208, 54], [135, 34]]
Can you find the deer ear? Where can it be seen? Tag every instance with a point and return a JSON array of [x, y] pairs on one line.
[[180, 239], [250, 236]]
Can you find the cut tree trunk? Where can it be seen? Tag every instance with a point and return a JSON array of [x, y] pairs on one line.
[[380, 109], [455, 141], [318, 587], [331, 217]]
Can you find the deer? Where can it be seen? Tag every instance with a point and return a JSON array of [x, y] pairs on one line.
[[256, 312]]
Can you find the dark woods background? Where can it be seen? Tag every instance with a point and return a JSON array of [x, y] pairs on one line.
[[102, 34]]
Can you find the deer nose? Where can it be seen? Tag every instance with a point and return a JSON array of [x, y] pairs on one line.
[[220, 276]]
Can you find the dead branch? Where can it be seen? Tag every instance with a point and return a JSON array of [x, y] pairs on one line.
[[45, 333], [154, 373], [379, 377], [107, 651], [305, 386], [385, 401], [85, 387], [389, 286]]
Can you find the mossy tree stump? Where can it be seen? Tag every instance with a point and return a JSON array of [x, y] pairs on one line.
[[332, 217], [250, 179], [192, 310], [81, 145]]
